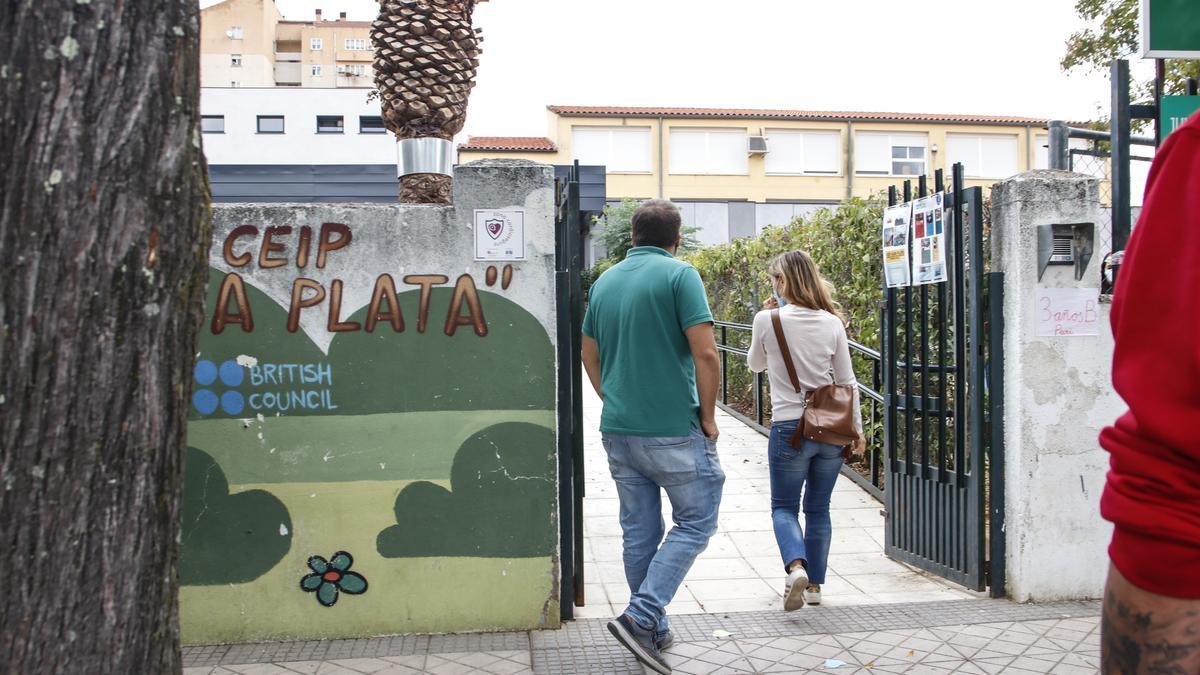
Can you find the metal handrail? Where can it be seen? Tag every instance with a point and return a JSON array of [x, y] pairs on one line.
[[758, 417]]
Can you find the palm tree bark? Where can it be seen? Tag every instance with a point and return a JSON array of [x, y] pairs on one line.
[[104, 233]]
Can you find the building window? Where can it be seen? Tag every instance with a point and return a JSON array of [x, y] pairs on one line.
[[356, 44], [1041, 152], [270, 124], [317, 70], [883, 154], [804, 152], [712, 152], [368, 124], [316, 44], [353, 70], [212, 124], [235, 60], [983, 155], [330, 124], [234, 33], [619, 150]]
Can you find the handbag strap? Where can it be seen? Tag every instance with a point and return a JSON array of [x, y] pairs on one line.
[[787, 353]]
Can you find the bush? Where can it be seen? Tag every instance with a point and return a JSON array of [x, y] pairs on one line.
[[844, 241], [614, 230]]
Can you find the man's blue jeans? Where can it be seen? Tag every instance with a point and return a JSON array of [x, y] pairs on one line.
[[815, 465], [687, 468]]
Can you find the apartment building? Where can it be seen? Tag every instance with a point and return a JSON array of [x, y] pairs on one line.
[[248, 43], [734, 171]]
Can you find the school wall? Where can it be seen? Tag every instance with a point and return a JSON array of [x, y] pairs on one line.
[[361, 463]]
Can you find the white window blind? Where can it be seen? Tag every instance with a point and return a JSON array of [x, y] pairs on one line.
[[1041, 152], [619, 150], [709, 152], [983, 156], [804, 152], [872, 154]]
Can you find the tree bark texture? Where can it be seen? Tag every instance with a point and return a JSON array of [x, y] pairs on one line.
[[104, 233]]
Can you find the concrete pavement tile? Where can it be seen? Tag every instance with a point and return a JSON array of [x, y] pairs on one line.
[[721, 568], [731, 589]]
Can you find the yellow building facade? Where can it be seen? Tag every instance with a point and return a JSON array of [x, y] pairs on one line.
[[734, 171], [992, 148], [248, 43]]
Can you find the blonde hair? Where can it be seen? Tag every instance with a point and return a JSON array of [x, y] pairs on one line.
[[803, 284]]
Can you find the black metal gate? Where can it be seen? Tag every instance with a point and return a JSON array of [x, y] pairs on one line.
[[569, 229], [942, 390]]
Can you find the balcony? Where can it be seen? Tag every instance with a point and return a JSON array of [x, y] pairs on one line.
[[288, 73]]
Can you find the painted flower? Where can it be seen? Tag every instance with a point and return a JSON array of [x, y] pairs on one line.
[[332, 576]]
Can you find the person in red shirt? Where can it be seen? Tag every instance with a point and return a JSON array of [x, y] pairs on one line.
[[1151, 620]]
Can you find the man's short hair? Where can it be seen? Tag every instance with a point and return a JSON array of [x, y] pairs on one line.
[[656, 223]]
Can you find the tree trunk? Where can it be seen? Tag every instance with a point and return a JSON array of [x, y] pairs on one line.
[[104, 232]]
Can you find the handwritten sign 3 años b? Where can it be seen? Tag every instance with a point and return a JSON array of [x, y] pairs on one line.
[[1068, 312]]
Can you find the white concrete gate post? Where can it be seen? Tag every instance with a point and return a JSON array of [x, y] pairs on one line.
[[1058, 392]]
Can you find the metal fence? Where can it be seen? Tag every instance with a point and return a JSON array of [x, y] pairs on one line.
[[744, 395], [1088, 151]]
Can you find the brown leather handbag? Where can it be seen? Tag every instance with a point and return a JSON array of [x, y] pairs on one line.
[[828, 409]]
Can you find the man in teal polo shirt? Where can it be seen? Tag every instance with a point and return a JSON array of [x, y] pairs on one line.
[[649, 351]]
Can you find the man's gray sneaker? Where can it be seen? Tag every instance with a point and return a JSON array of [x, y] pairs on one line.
[[640, 642], [664, 640]]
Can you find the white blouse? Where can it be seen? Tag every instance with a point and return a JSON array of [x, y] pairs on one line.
[[819, 347]]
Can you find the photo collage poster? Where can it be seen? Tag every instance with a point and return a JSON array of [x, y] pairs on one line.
[[895, 244], [929, 240]]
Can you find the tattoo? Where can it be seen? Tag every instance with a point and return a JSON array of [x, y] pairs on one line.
[[1135, 640]]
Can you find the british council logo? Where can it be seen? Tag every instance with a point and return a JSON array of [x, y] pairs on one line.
[[231, 374]]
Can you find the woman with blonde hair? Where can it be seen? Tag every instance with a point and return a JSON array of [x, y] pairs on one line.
[[815, 333]]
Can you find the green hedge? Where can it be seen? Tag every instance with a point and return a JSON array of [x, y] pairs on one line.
[[843, 240]]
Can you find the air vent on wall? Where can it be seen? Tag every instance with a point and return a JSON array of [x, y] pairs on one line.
[[758, 145]]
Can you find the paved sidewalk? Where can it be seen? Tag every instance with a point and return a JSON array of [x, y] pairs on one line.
[[878, 616], [973, 636], [741, 570]]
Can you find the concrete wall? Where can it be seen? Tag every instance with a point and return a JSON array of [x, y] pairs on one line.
[[360, 466], [1058, 396]]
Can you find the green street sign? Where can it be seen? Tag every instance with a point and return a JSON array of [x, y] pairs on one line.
[[1175, 110], [1171, 29]]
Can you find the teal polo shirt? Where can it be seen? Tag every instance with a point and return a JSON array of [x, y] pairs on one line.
[[637, 313]]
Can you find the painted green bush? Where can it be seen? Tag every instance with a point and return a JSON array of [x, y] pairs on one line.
[[228, 539], [499, 505]]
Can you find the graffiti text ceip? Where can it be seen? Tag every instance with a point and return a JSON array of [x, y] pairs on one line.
[[233, 305]]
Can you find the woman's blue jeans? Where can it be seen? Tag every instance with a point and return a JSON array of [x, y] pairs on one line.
[[812, 472]]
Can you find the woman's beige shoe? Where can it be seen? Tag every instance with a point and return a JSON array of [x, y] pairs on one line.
[[793, 589], [812, 594]]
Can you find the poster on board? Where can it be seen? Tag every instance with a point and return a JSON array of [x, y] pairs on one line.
[[895, 245], [929, 240]]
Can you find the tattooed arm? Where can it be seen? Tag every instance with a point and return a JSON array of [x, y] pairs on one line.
[[1144, 632]]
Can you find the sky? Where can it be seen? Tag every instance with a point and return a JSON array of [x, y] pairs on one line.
[[930, 56]]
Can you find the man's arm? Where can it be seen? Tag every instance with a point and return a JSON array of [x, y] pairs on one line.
[[708, 374], [591, 363]]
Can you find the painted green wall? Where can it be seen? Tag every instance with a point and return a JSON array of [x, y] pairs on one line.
[[391, 482]]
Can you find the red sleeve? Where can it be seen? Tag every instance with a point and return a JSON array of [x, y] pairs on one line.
[[1153, 490]]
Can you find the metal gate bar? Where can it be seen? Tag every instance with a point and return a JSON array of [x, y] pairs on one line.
[[935, 463]]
